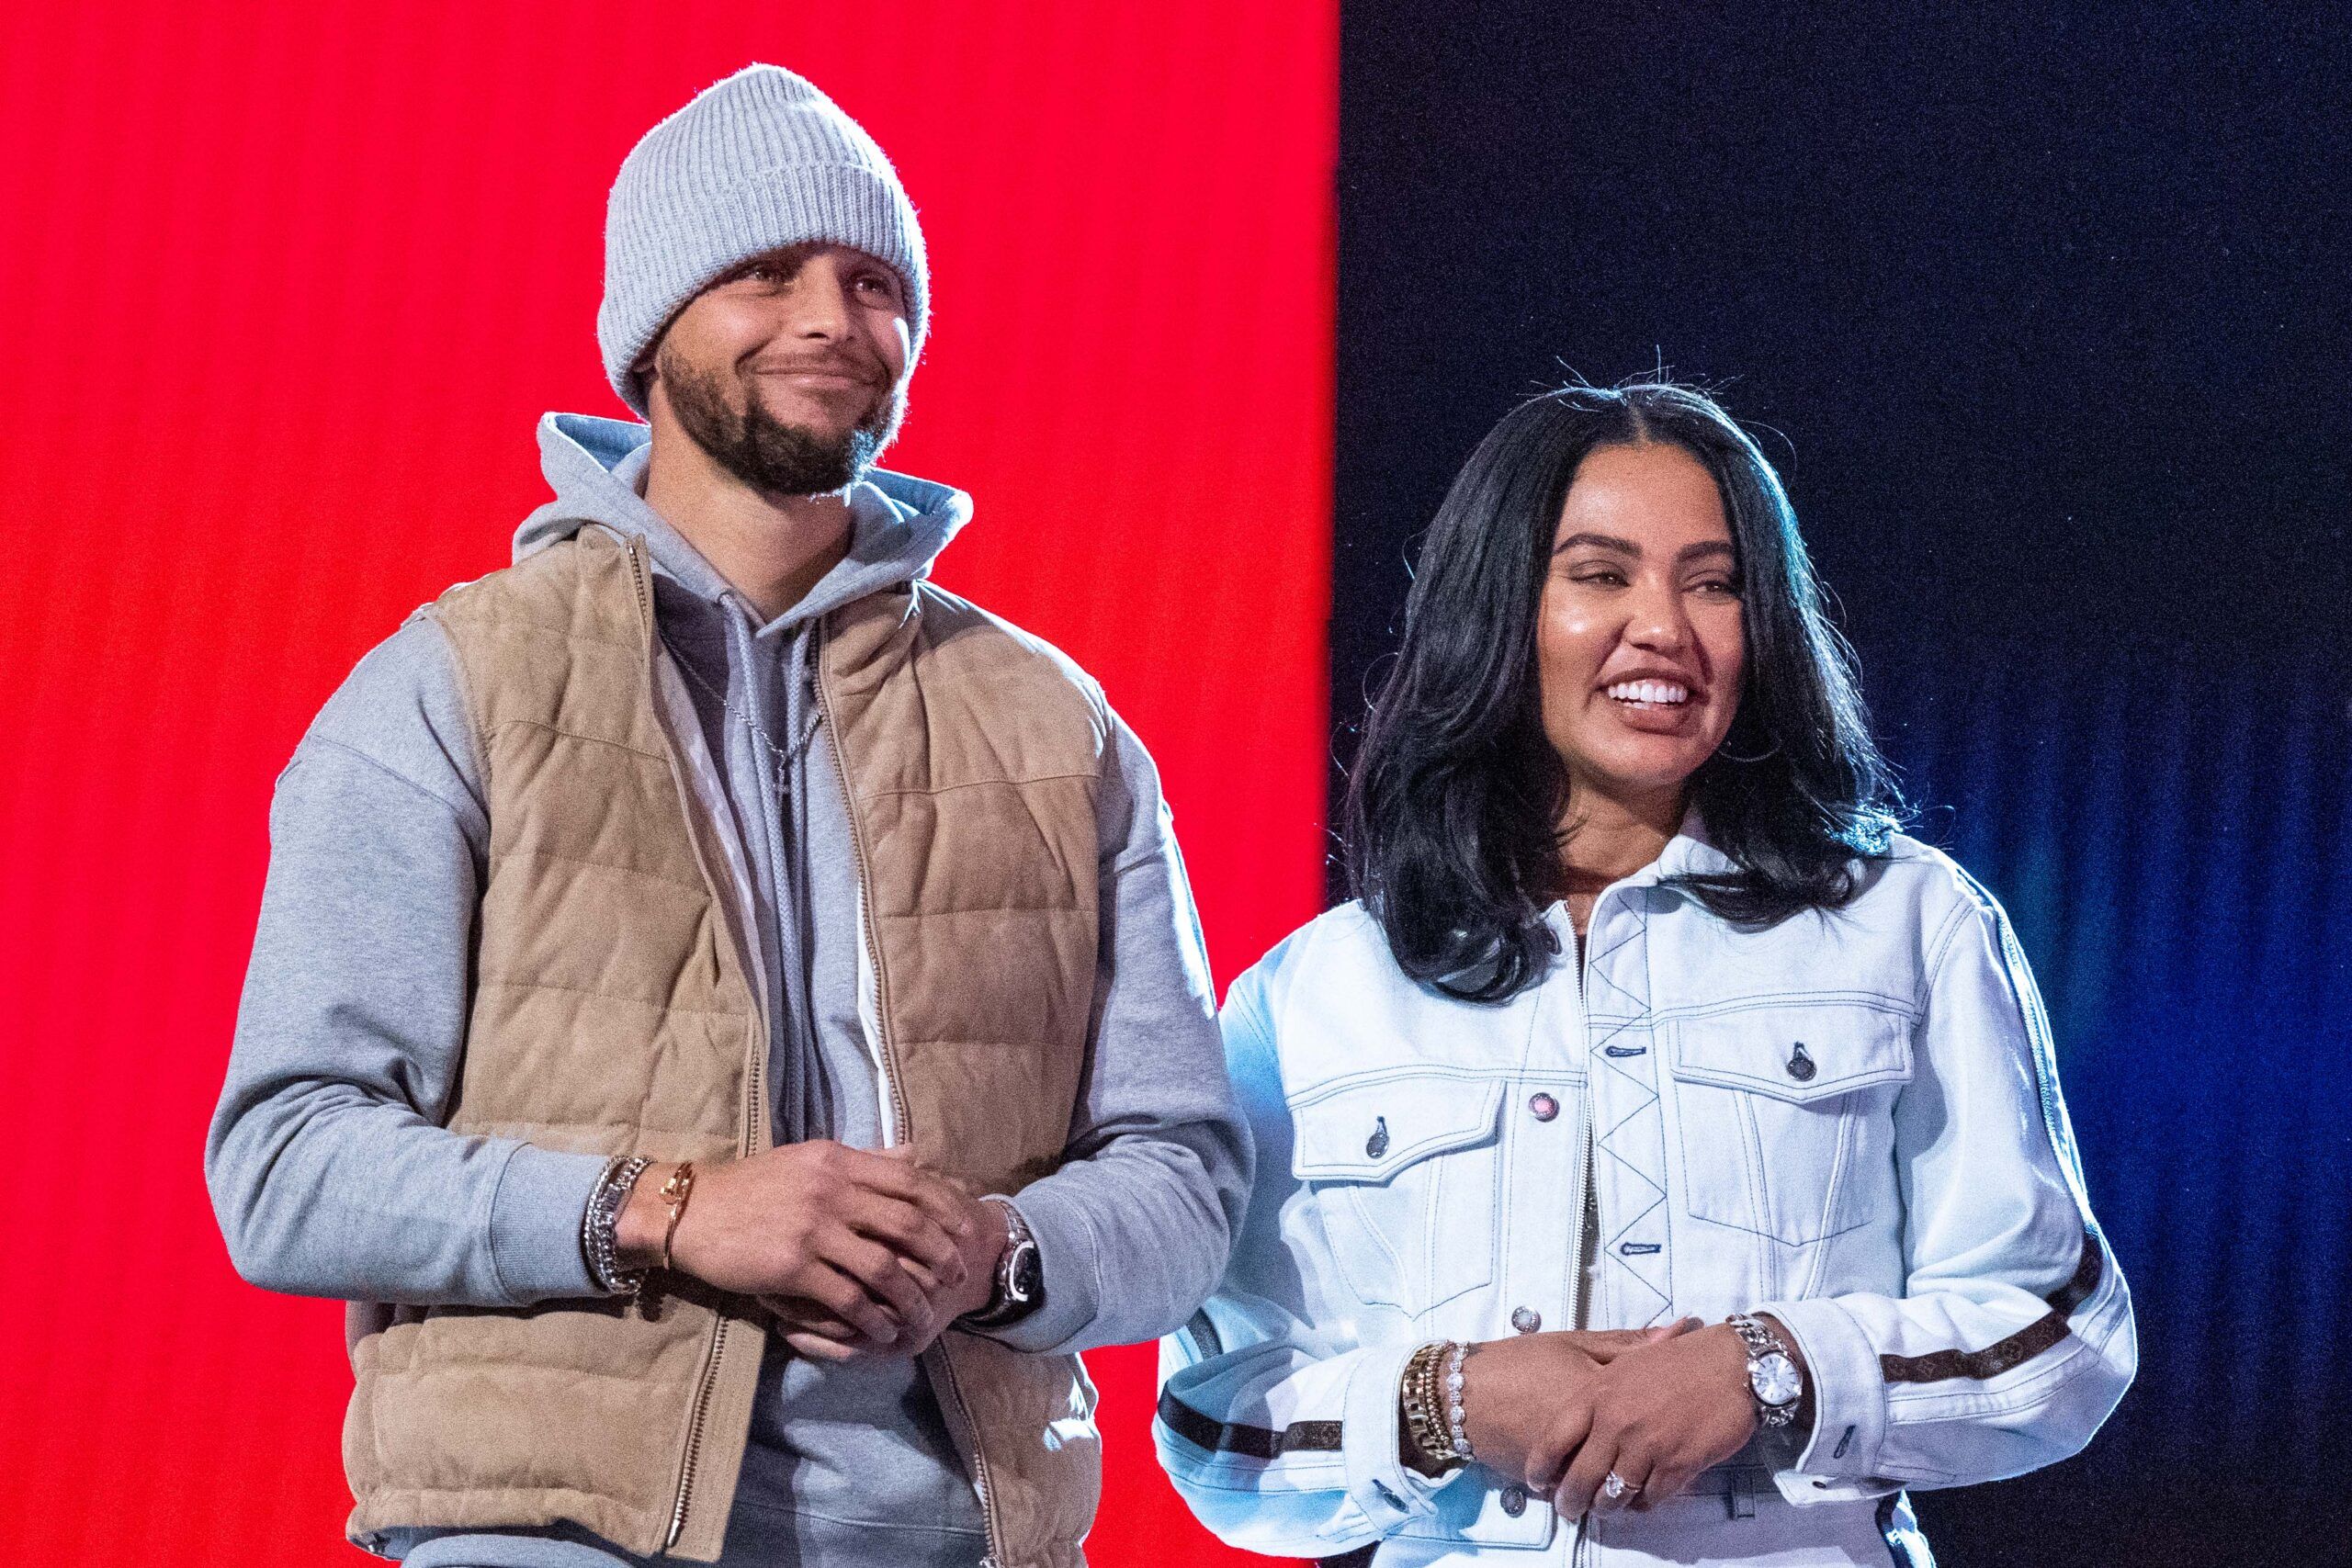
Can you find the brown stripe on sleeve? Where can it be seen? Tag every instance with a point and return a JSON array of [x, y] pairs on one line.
[[2019, 1348], [1254, 1442]]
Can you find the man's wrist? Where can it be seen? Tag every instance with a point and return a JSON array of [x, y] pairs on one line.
[[1002, 1218], [1011, 1281]]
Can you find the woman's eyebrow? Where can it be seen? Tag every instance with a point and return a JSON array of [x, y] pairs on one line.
[[1627, 546], [1599, 541]]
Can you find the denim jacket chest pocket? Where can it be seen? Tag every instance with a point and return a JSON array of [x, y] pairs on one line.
[[1786, 1112], [1405, 1168]]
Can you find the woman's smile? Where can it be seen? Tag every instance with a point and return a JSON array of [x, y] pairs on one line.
[[1655, 703]]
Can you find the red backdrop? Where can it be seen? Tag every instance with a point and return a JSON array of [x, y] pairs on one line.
[[282, 292]]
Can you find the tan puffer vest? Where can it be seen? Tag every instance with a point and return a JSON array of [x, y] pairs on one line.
[[612, 1014]]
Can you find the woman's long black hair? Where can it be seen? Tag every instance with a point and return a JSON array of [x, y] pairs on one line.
[[1452, 825]]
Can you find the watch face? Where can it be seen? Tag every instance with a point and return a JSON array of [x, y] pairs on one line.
[[1775, 1379], [1025, 1279]]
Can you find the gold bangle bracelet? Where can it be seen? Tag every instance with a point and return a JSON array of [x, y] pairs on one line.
[[675, 1194]]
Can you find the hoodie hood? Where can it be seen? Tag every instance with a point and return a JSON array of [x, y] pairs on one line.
[[898, 524]]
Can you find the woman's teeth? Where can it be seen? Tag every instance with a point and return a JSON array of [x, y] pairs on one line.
[[1660, 694]]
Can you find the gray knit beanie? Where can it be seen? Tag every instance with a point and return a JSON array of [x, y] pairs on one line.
[[757, 162]]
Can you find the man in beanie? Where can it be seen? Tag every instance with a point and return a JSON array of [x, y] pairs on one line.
[[727, 1013]]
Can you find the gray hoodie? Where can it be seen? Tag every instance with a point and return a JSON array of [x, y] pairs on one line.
[[331, 1175]]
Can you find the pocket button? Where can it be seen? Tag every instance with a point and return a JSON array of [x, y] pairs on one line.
[[1801, 1064], [1527, 1320], [1377, 1145], [1514, 1500], [1543, 1107]]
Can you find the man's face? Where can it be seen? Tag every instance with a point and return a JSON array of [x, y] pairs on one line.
[[790, 370]]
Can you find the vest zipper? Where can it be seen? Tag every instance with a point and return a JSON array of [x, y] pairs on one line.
[[868, 932], [699, 1418], [695, 1434], [995, 1526], [939, 1360]]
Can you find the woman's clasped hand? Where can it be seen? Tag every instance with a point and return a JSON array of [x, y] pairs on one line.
[[1563, 1411]]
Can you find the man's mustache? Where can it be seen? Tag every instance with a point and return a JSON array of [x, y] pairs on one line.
[[869, 375]]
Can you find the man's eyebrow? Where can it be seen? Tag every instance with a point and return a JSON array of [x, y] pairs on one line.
[[782, 255]]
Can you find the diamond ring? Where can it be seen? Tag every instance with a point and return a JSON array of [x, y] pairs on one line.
[[1615, 1486]]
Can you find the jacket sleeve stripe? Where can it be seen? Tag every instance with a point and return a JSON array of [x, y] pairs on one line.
[[2019, 1348], [1253, 1442]]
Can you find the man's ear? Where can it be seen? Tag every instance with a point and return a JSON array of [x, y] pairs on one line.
[[641, 370]]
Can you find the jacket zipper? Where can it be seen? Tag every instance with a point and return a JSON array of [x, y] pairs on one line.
[[1578, 1307], [939, 1359], [1587, 1215], [754, 1075]]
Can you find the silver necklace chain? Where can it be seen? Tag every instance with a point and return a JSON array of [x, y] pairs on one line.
[[784, 758]]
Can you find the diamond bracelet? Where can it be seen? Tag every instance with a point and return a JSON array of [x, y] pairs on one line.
[[1456, 1426], [603, 1219]]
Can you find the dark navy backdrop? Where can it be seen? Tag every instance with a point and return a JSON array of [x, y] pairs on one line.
[[2042, 312]]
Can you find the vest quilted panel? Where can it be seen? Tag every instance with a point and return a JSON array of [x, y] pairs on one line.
[[974, 755], [612, 1014]]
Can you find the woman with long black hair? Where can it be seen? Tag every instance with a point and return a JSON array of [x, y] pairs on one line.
[[1661, 1161]]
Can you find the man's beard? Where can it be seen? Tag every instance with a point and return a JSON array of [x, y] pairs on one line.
[[760, 449]]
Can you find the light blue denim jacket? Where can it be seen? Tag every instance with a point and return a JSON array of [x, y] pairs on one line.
[[1849, 1119]]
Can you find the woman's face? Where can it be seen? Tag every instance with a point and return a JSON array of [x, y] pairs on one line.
[[1639, 642]]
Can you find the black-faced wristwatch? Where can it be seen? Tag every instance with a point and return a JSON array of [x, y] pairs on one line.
[[1020, 1287], [1773, 1374]]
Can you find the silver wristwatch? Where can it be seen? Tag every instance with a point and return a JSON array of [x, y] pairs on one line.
[[1020, 1275], [1773, 1374]]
